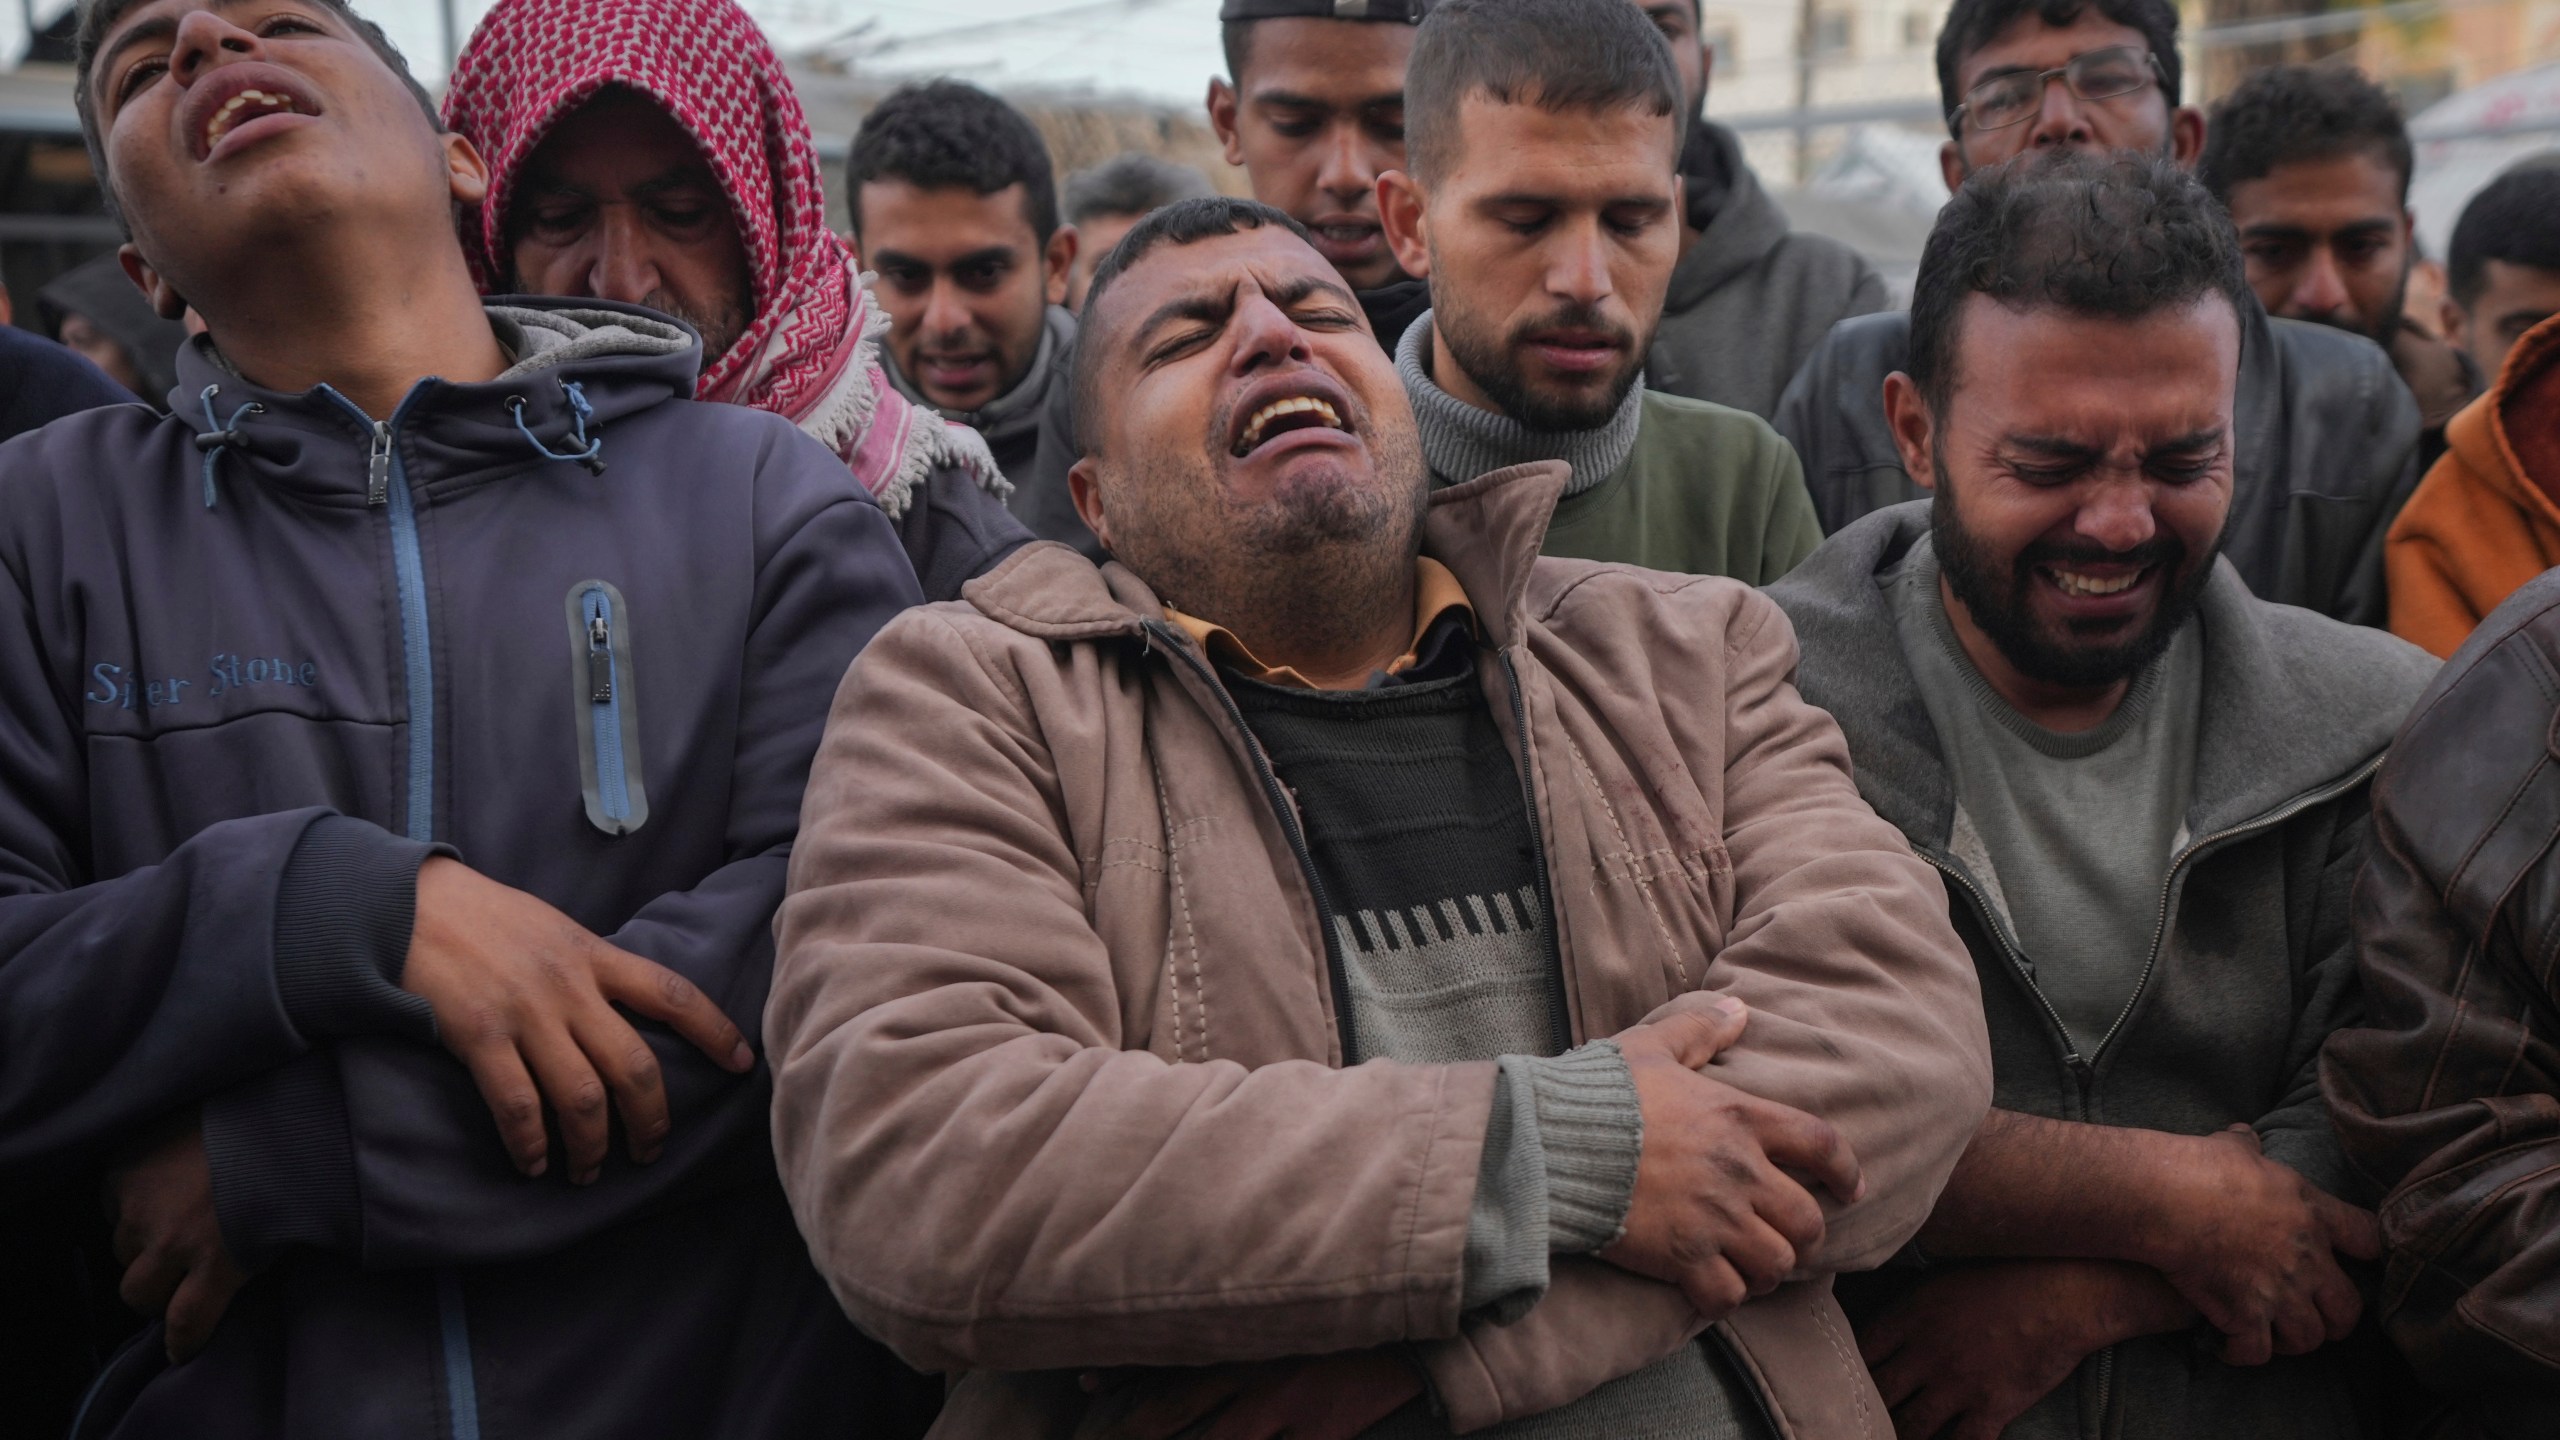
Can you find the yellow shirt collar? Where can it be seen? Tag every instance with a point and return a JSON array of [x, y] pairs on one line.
[[1436, 592]]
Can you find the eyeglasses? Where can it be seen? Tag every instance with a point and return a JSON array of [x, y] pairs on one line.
[[2014, 96]]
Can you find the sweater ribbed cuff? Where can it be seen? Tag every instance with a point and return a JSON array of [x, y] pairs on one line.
[[1591, 1131], [283, 1162], [1557, 1174], [343, 918]]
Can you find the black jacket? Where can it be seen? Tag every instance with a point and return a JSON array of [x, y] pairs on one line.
[[40, 382], [2328, 452]]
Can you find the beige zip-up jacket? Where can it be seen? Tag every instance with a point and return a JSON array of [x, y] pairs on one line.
[[1058, 1082]]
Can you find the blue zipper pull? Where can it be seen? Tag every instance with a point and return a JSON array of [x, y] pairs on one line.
[[599, 653], [377, 483]]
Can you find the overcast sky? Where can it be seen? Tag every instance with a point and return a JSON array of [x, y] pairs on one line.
[[1163, 50]]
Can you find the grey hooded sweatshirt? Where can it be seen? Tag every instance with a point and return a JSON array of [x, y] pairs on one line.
[[1751, 298], [2251, 966]]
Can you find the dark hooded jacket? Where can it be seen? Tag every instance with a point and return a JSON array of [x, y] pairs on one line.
[[255, 660], [2251, 968], [2328, 452], [40, 382], [1751, 298]]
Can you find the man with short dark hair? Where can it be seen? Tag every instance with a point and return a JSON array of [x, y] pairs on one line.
[[954, 207], [1543, 206], [2502, 270], [1306, 948], [2328, 434], [2147, 790], [1312, 106], [2313, 163], [651, 152], [400, 753], [1104, 201], [2487, 518], [1750, 298]]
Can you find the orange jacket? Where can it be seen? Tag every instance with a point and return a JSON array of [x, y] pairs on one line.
[[2479, 526]]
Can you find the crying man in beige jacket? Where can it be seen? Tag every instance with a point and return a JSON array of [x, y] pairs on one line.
[[1332, 972]]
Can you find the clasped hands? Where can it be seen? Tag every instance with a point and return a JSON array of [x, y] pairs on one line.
[[1724, 1208], [2242, 1242], [524, 997]]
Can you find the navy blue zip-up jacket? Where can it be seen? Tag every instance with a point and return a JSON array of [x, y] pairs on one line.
[[255, 660]]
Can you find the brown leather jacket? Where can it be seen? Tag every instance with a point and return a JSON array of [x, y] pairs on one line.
[[2448, 1097], [1058, 1082]]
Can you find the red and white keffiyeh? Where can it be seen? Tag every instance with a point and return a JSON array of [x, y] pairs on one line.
[[813, 352]]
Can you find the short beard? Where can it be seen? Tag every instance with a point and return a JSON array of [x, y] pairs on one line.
[[1297, 578], [1493, 363], [720, 325], [1999, 601]]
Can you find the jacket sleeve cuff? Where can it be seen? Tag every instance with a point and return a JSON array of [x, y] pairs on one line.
[[1558, 1172], [343, 918], [283, 1162]]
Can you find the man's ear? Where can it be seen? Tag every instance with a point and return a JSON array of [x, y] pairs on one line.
[[2186, 136], [1085, 488], [465, 172], [1222, 118], [1907, 414], [164, 297], [1401, 206], [1059, 258], [1951, 165], [2457, 327]]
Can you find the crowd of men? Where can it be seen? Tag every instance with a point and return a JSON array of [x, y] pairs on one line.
[[1477, 794]]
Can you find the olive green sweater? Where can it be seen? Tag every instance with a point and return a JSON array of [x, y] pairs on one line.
[[1684, 485]]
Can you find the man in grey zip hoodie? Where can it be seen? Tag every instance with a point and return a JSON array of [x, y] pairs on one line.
[[2147, 792]]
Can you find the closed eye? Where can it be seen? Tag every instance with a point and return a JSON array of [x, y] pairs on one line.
[[1178, 345]]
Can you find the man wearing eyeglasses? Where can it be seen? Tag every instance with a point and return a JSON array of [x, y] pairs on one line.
[[2327, 434]]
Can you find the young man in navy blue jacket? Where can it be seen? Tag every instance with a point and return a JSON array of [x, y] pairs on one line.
[[400, 749]]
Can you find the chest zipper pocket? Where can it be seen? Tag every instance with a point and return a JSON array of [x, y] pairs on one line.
[[607, 708]]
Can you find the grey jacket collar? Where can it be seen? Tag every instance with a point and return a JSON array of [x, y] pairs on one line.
[[1016, 412], [1744, 227], [2294, 704], [1460, 441]]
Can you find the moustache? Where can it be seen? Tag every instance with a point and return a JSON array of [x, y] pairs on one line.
[[1588, 318], [2162, 550]]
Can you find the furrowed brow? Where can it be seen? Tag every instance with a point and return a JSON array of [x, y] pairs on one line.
[[1212, 309], [2052, 447], [1295, 293], [2194, 442]]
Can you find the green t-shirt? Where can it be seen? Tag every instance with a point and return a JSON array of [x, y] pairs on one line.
[[1708, 491]]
